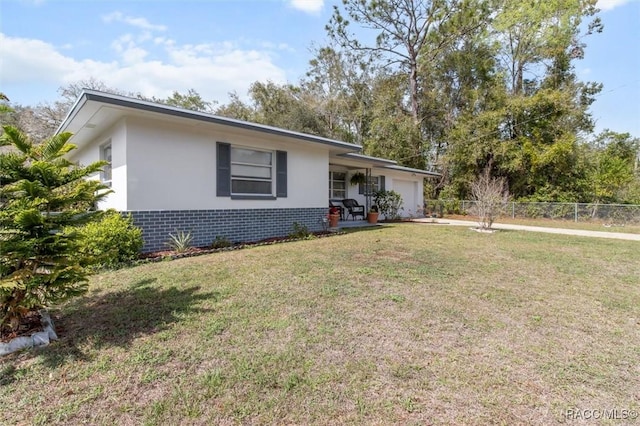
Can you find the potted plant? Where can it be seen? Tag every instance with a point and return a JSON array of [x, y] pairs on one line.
[[358, 178], [372, 216], [334, 217]]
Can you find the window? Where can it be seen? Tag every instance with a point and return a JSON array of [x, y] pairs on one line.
[[374, 184], [337, 185], [251, 172], [105, 155], [245, 173]]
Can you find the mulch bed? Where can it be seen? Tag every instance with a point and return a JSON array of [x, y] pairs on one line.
[[158, 256], [30, 324]]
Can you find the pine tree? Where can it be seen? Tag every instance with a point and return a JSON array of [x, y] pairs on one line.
[[43, 197]]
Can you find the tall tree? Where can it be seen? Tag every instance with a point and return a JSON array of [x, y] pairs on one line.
[[407, 33], [43, 196], [532, 127], [285, 106], [613, 173], [40, 122], [190, 100], [338, 86], [237, 109]]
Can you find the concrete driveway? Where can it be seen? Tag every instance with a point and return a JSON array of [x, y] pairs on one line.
[[580, 232]]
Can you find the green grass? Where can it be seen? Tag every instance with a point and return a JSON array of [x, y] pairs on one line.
[[405, 324]]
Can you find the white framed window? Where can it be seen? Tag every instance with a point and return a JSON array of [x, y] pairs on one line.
[[105, 155], [251, 171], [337, 185]]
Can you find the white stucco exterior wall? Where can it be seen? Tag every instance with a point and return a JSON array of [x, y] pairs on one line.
[[172, 166], [116, 136]]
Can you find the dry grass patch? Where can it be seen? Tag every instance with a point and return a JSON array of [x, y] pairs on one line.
[[595, 225], [409, 324]]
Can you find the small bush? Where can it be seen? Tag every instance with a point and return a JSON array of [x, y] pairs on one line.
[[180, 242], [490, 195], [299, 231], [112, 241], [389, 203], [221, 242]]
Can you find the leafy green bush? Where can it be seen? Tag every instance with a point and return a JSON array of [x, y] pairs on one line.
[[449, 203], [112, 241], [299, 231], [221, 242], [389, 203]]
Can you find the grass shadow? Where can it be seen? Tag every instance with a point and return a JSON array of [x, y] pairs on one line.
[[117, 318], [8, 375]]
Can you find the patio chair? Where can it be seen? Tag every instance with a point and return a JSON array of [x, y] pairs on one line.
[[353, 208]]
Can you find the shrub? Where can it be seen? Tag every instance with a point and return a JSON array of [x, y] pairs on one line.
[[490, 195], [221, 242], [112, 241], [180, 242], [389, 203], [299, 231]]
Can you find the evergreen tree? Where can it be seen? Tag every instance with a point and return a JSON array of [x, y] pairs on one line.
[[43, 197]]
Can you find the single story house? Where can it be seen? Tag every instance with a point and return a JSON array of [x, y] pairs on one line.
[[176, 169]]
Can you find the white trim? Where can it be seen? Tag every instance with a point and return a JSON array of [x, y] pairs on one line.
[[270, 166], [332, 181], [103, 157]]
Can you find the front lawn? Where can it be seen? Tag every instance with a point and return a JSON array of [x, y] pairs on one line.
[[405, 324]]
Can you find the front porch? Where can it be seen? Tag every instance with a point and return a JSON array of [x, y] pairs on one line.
[[344, 224], [349, 224]]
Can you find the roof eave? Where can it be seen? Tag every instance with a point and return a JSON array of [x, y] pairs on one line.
[[412, 170], [82, 99], [138, 104]]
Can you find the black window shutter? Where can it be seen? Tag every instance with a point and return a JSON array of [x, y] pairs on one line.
[[360, 188], [281, 174], [382, 188], [223, 172]]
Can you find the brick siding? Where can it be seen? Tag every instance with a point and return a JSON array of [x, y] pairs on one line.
[[237, 225]]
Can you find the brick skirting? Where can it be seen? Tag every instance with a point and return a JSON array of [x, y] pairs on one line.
[[237, 225]]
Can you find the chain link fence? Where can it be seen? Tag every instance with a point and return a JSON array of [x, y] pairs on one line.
[[614, 214]]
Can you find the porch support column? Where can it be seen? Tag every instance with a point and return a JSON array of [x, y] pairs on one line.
[[367, 191]]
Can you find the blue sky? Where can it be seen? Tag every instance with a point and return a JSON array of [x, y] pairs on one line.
[[219, 46]]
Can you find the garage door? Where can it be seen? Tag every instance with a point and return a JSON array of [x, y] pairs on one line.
[[407, 189]]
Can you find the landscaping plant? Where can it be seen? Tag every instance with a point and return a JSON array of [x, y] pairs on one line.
[[299, 231], [389, 203], [111, 241], [44, 198], [180, 242], [490, 195]]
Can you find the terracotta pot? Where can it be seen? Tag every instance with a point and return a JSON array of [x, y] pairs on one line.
[[333, 220], [372, 217]]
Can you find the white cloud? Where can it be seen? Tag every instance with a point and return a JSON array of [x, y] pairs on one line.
[[156, 68], [308, 6], [141, 23], [611, 4]]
